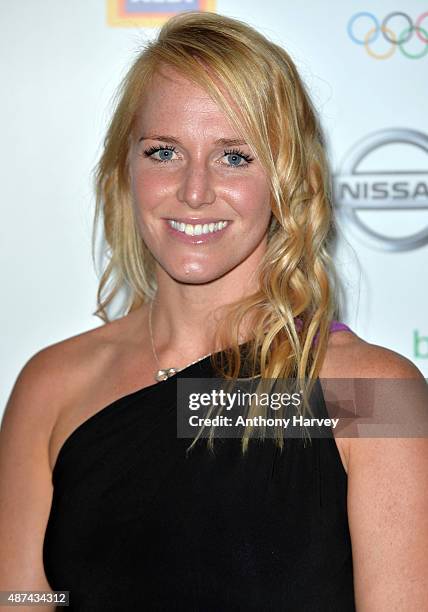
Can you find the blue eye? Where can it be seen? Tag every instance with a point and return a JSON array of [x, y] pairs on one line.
[[235, 155], [234, 160], [165, 153]]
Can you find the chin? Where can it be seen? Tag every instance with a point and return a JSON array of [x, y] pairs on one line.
[[195, 274]]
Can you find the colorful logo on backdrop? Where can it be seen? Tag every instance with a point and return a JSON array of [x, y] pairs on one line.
[[357, 190], [397, 30], [151, 13]]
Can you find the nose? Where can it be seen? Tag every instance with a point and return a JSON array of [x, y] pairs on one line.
[[196, 187]]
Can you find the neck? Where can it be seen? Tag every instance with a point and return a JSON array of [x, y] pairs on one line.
[[184, 318]]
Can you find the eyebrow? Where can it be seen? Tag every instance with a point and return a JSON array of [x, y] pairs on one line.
[[225, 142]]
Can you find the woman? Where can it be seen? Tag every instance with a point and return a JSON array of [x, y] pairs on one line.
[[213, 186]]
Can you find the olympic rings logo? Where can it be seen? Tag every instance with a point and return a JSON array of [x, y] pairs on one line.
[[389, 35]]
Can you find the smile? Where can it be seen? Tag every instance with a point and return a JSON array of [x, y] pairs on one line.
[[196, 230]]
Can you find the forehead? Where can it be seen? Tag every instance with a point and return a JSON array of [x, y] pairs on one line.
[[171, 99]]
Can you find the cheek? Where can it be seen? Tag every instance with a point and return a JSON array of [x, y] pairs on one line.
[[148, 187], [251, 201], [143, 201]]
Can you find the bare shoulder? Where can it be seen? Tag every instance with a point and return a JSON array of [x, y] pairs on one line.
[[51, 371], [52, 375], [350, 356], [100, 366]]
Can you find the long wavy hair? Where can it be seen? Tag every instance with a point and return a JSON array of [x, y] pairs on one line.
[[297, 296]]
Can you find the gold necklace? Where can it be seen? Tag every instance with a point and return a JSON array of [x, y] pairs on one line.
[[164, 373]]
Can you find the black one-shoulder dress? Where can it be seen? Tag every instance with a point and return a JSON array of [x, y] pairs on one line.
[[136, 524]]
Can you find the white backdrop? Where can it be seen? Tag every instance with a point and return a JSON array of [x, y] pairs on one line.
[[61, 63]]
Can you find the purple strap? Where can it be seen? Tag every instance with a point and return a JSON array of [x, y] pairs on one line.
[[334, 326], [338, 326]]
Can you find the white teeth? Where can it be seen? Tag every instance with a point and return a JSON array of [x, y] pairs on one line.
[[197, 230]]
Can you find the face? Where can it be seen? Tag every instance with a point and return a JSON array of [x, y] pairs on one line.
[[201, 196]]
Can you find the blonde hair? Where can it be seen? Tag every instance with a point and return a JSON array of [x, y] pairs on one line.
[[297, 278]]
